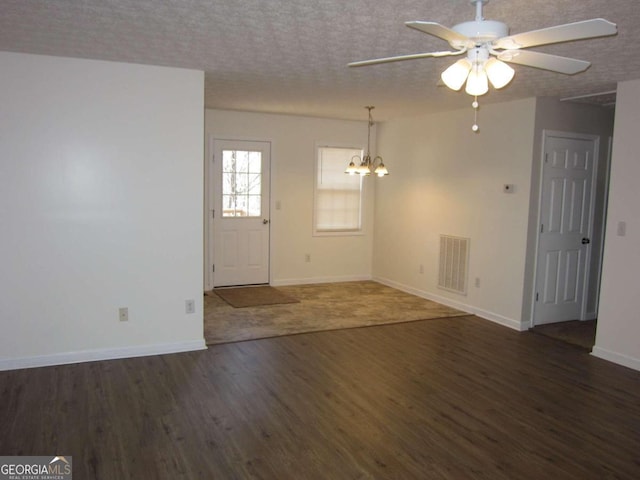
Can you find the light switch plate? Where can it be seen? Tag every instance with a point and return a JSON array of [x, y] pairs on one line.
[[189, 306]]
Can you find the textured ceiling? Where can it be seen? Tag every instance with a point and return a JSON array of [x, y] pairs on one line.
[[290, 56]]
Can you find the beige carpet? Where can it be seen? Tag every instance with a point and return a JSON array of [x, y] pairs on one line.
[[242, 297], [322, 307]]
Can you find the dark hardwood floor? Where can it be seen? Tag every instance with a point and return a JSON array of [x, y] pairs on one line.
[[454, 398]]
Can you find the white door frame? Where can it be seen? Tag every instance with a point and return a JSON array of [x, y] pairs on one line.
[[209, 188], [585, 283], [603, 230]]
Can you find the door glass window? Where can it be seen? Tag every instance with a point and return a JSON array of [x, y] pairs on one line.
[[241, 183]]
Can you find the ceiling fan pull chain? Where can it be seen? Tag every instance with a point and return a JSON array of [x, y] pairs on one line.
[[475, 106]]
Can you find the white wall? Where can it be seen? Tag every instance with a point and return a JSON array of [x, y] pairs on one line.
[[100, 207], [618, 324], [293, 142], [448, 180]]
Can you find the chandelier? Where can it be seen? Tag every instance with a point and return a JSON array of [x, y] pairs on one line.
[[365, 165]]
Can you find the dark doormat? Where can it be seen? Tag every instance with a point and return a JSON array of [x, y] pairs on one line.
[[240, 297], [578, 333]]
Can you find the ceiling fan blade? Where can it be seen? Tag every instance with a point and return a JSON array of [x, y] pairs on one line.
[[399, 58], [455, 39], [597, 27], [554, 63]]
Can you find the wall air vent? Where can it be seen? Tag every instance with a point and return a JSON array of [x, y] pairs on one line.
[[454, 261]]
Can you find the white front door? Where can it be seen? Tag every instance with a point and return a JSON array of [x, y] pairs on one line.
[[240, 190], [565, 227]]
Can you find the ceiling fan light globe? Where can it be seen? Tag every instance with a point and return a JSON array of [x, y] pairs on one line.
[[455, 76], [500, 74], [477, 82]]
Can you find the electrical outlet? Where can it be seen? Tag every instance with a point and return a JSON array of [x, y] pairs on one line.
[[477, 282], [123, 314], [307, 257], [190, 306]]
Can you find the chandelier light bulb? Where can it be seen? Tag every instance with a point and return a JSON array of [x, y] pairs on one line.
[[351, 169], [455, 76], [363, 169], [499, 73], [380, 170]]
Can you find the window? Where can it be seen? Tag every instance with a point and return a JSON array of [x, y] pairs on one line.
[[241, 183], [338, 197]]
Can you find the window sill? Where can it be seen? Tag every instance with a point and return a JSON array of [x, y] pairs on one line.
[[337, 233]]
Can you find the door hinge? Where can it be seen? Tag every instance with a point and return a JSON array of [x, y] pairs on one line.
[[542, 228], [537, 296], [213, 267], [213, 213], [546, 158]]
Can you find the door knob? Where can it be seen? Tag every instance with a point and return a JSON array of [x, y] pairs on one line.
[[585, 241], [265, 221]]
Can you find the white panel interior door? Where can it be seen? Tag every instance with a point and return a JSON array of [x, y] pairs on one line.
[[565, 214], [240, 200]]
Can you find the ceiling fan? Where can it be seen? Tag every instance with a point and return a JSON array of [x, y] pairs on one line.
[[488, 46]]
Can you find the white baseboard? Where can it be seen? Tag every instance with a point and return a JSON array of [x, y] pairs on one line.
[[615, 357], [492, 317], [312, 280], [103, 354]]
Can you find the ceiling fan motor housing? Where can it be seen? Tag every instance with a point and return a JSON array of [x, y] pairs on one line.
[[480, 31]]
